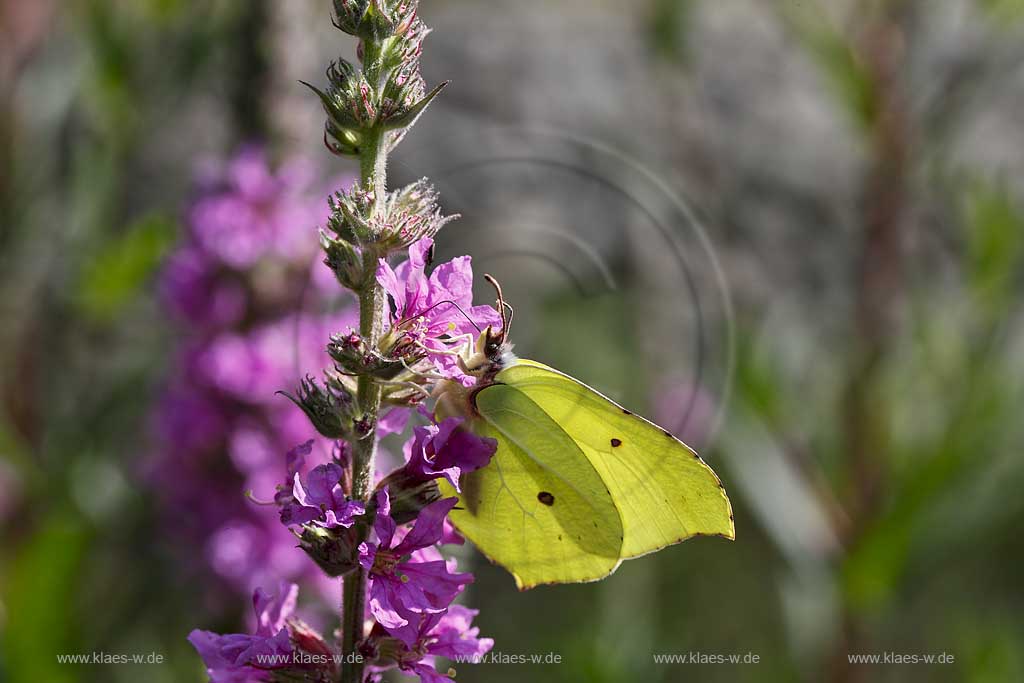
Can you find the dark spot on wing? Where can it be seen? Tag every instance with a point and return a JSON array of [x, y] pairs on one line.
[[626, 412], [616, 443], [667, 433], [546, 498]]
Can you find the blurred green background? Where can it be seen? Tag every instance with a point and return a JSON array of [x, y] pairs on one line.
[[794, 229]]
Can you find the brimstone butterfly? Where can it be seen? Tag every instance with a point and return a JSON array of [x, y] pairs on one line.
[[578, 483]]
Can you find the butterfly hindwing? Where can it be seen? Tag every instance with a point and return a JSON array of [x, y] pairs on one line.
[[664, 492], [540, 509]]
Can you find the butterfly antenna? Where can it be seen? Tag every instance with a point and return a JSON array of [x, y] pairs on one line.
[[459, 308], [508, 323], [503, 307]]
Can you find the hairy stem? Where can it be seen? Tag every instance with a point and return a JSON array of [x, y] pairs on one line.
[[373, 173]]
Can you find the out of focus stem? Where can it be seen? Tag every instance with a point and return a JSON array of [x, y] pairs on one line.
[[373, 174]]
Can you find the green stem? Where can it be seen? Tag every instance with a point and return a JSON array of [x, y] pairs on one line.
[[373, 172]]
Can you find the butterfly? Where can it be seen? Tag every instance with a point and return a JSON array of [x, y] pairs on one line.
[[578, 483]]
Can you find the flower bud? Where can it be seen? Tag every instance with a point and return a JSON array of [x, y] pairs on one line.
[[349, 14], [382, 649], [409, 493], [332, 549], [350, 105], [411, 214], [344, 260], [328, 409], [374, 19], [307, 639], [355, 358], [351, 215]]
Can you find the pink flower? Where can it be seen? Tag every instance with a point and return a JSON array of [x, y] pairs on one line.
[[400, 587], [447, 634], [434, 311], [320, 501], [244, 658], [447, 451]]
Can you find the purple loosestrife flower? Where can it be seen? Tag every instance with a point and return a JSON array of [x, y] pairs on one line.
[[321, 509], [448, 634], [432, 311], [321, 501], [280, 644], [444, 450], [248, 258], [401, 587]]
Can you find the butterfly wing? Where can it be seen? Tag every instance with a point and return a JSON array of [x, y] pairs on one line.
[[540, 509], [663, 490]]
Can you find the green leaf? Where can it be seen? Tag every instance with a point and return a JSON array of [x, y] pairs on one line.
[[121, 269], [995, 244], [1004, 11], [39, 594]]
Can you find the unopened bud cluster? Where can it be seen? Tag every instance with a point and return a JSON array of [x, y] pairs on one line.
[[388, 92], [374, 105], [403, 217]]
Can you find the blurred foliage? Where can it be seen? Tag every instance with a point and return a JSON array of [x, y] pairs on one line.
[[995, 245], [669, 22], [41, 583], [118, 272], [1004, 10], [831, 50]]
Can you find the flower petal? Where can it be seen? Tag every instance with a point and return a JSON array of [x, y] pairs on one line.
[[428, 526]]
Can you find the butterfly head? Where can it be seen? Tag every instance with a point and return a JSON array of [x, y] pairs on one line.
[[491, 352]]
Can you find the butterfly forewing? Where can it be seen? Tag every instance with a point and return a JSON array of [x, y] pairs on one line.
[[540, 509], [664, 492]]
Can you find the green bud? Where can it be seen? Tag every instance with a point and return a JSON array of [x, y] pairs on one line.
[[406, 216], [350, 105], [374, 19], [329, 409], [332, 549], [350, 215], [354, 357], [346, 262], [410, 214]]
